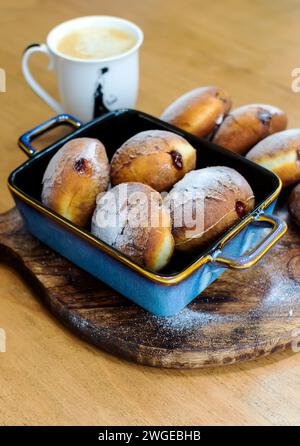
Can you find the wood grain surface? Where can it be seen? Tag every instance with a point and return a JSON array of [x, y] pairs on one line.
[[49, 376], [240, 317]]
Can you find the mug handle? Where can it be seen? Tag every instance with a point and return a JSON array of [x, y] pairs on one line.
[[39, 48]]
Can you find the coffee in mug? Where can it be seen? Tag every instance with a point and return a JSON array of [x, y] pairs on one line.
[[96, 43]]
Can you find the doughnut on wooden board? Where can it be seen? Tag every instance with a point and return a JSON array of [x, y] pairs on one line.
[[241, 316]]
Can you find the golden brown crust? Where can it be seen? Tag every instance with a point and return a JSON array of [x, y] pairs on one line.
[[159, 248], [154, 157], [199, 111], [294, 204], [280, 153], [246, 126], [131, 218], [74, 177], [217, 197]]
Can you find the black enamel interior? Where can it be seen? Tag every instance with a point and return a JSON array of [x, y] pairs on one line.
[[115, 128]]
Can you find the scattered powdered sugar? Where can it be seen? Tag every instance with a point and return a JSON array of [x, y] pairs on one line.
[[187, 199], [91, 153], [142, 137], [282, 140], [124, 216], [78, 322], [107, 223], [281, 290], [72, 151], [54, 169], [253, 107], [147, 143], [282, 293], [187, 319], [211, 180]]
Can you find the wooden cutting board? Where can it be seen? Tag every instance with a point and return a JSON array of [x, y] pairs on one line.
[[241, 316]]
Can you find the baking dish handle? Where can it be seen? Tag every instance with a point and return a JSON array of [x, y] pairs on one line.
[[24, 141], [279, 228]]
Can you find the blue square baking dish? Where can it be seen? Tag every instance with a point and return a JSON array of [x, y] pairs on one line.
[[167, 292]]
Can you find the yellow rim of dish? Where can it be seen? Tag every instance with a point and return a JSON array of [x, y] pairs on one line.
[[160, 279]]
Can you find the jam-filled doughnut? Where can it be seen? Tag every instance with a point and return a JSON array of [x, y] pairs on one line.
[[205, 203], [199, 111], [155, 157], [74, 177], [131, 218], [281, 154], [247, 125]]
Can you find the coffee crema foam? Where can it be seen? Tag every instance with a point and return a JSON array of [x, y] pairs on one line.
[[96, 42]]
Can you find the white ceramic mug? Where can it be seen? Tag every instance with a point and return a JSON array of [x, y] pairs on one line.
[[89, 87]]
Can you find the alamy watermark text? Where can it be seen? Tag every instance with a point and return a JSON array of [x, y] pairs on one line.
[[2, 80], [2, 340]]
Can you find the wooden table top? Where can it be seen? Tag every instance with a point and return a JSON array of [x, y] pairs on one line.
[[47, 375]]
